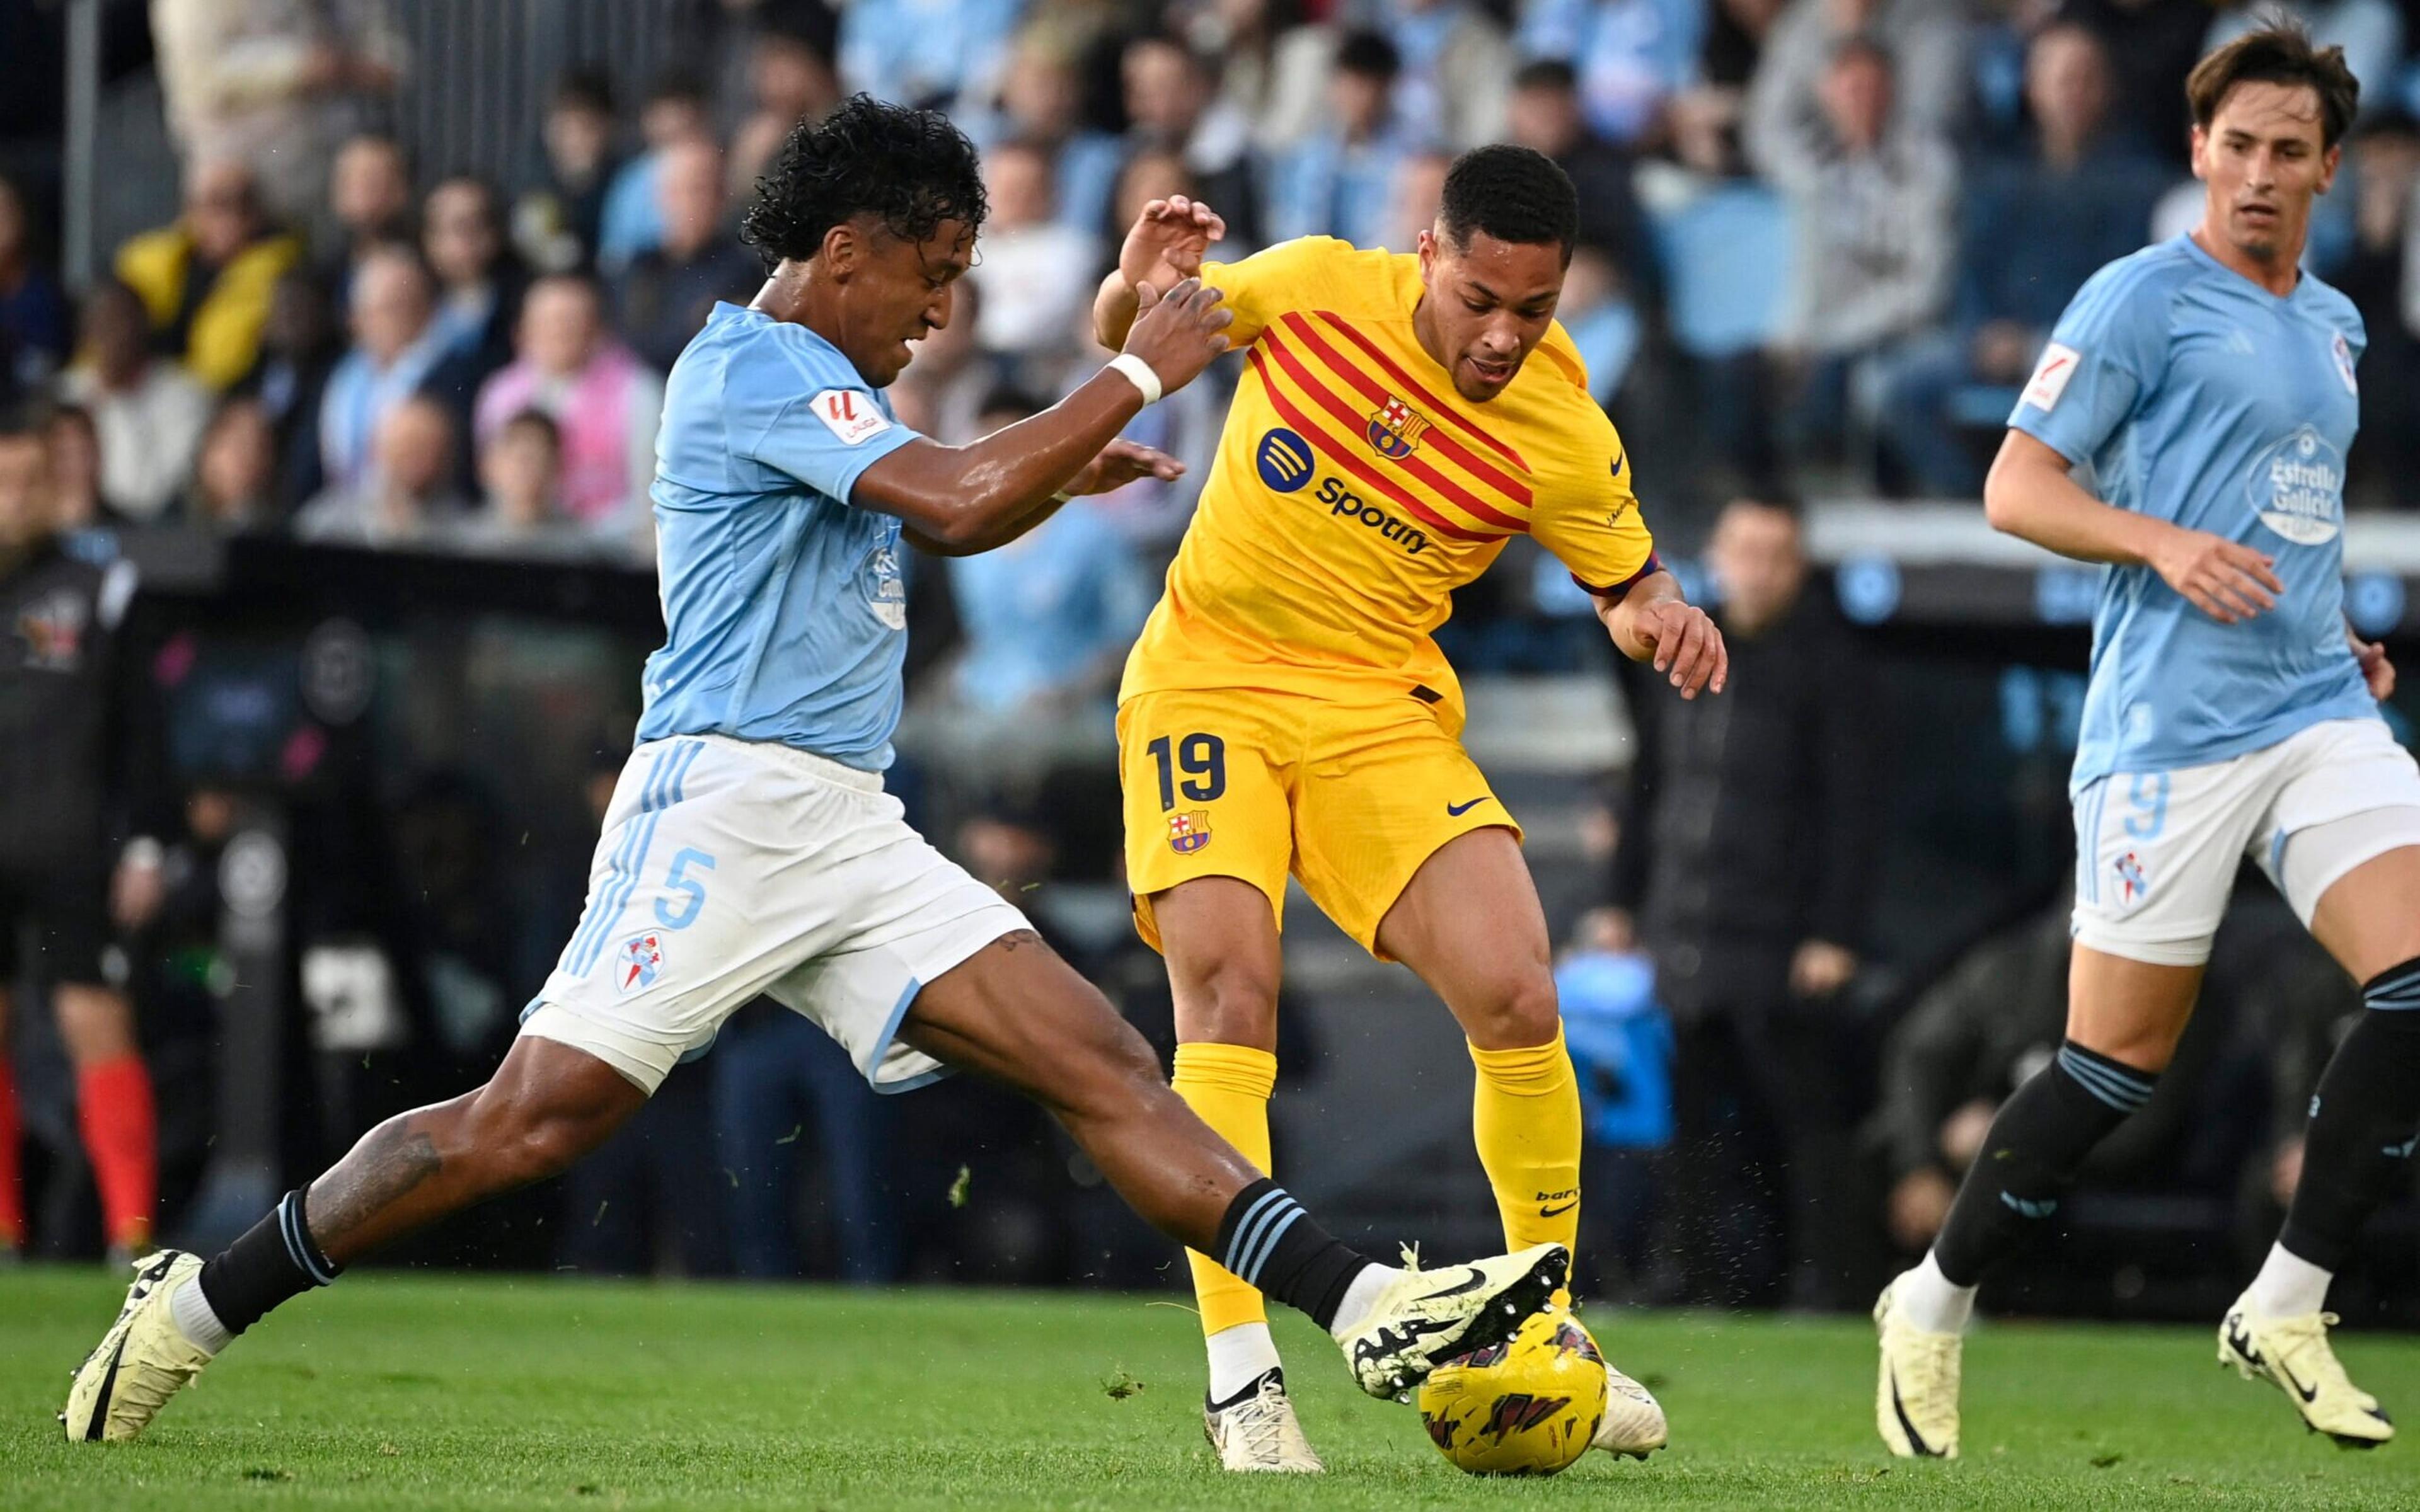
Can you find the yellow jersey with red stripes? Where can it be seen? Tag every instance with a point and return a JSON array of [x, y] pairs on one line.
[[1354, 490]]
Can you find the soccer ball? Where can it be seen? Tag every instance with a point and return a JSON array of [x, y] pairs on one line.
[[1527, 1407]]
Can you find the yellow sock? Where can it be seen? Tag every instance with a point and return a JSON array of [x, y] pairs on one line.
[[1229, 1087], [1524, 1116]]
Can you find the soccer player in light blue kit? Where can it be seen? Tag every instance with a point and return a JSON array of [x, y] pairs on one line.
[[749, 847], [2210, 385]]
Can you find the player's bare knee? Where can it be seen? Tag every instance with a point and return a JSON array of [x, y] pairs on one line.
[[1231, 1001], [1522, 1014]]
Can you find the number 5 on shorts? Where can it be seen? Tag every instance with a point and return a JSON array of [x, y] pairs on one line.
[[678, 880], [1203, 758]]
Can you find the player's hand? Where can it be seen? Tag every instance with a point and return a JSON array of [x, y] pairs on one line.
[[1819, 968], [136, 890], [2376, 669], [1180, 334], [1168, 241], [1685, 645], [2224, 580], [1121, 463]]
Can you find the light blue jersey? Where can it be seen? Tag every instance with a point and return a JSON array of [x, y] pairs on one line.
[[2202, 399], [785, 613]]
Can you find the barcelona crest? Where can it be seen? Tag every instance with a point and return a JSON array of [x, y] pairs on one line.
[[1395, 429], [1189, 832]]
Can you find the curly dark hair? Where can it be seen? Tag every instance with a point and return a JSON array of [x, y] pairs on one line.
[[911, 169], [1512, 193]]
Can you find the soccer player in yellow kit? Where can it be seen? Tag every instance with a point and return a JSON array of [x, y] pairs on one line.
[[1286, 710]]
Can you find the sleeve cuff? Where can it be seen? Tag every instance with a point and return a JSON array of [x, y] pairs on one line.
[[1619, 591]]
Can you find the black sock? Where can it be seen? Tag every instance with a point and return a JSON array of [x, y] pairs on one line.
[[2036, 1144], [1269, 1241], [2363, 1121], [274, 1259]]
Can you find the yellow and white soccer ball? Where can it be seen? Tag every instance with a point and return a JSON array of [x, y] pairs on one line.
[[1527, 1407]]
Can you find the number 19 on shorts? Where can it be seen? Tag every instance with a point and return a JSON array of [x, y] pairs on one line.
[[1199, 758]]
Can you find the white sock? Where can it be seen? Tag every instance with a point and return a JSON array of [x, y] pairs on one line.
[[2288, 1285], [1359, 1298], [1238, 1357], [195, 1319], [1931, 1302]]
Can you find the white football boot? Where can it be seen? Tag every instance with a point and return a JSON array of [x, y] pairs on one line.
[[1258, 1433], [2293, 1353], [140, 1361], [1915, 1400], [1633, 1424], [1426, 1317]]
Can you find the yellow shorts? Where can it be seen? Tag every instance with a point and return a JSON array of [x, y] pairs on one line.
[[1348, 797]]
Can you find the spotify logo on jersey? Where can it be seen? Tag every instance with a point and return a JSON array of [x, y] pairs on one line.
[[1284, 460]]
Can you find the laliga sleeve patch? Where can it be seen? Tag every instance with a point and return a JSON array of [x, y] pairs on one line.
[[849, 414], [2050, 377]]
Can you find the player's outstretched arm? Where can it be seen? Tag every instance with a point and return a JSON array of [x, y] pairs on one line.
[[1165, 247], [2029, 495], [1653, 623], [960, 499]]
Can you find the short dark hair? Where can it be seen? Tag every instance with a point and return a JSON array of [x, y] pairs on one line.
[[1546, 73], [1863, 47], [910, 169], [684, 86], [1512, 193], [583, 88], [1009, 397], [1369, 55], [1768, 493], [533, 419], [2281, 52]]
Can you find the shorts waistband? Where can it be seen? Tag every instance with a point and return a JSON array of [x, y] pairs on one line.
[[823, 768]]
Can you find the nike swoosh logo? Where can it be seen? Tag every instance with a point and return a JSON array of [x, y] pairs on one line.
[[1455, 811], [2308, 1393], [1914, 1440], [1557, 1212], [108, 1387], [1477, 1279]]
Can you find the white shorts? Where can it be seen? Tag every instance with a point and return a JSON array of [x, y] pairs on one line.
[[731, 868], [2156, 852]]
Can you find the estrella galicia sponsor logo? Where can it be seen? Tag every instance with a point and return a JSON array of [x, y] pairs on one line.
[[2297, 488], [1284, 460], [1343, 504]]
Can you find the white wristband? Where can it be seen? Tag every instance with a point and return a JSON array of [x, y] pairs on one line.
[[1138, 373]]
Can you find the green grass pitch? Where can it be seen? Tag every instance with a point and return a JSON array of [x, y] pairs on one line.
[[442, 1391]]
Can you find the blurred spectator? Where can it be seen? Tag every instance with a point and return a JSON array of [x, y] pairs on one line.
[[1872, 201], [1788, 116], [675, 113], [1603, 321], [404, 494], [1041, 103], [1173, 101], [1420, 189], [1706, 115], [1036, 271], [1047, 618], [147, 414], [2369, 31], [479, 280], [1457, 66], [556, 226], [1631, 56], [369, 191], [2152, 45], [1545, 116], [206, 279], [1337, 180], [235, 476], [944, 390], [299, 348], [1744, 869], [2383, 167], [1272, 67], [35, 321], [662, 298], [397, 352], [1622, 1051], [72, 449], [788, 80], [925, 52], [605, 401], [2034, 230], [521, 482], [274, 84]]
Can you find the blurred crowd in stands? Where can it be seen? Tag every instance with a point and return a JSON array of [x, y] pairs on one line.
[[1822, 243]]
